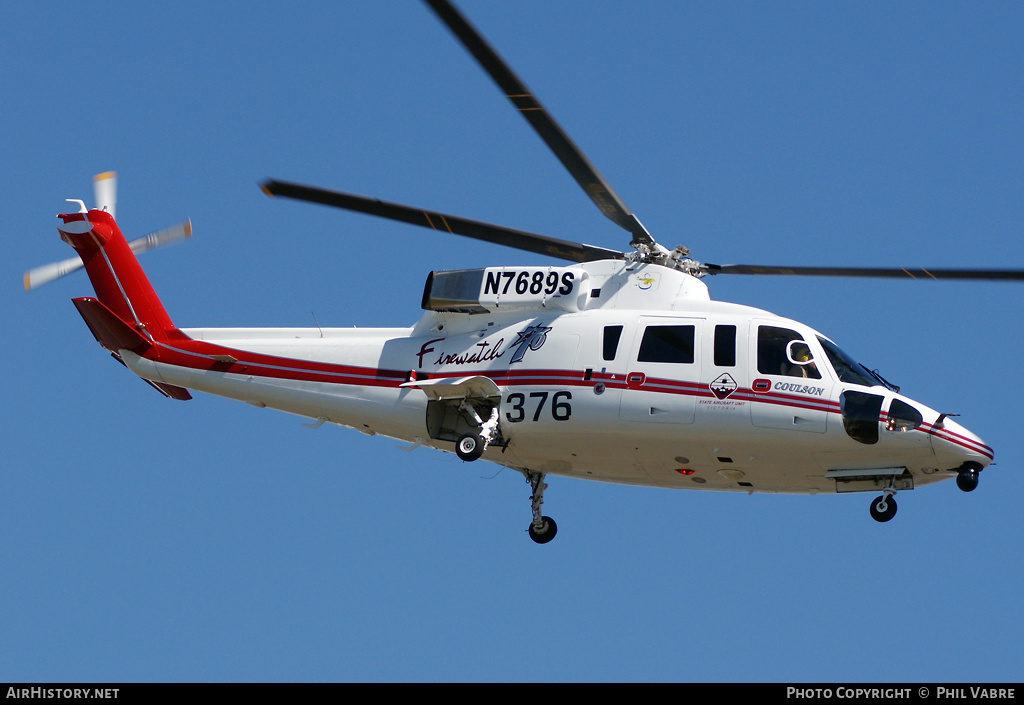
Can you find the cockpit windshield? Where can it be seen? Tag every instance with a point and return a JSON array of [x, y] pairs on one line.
[[848, 369]]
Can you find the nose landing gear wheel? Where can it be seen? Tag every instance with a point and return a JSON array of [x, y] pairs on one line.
[[883, 508], [546, 532], [470, 447]]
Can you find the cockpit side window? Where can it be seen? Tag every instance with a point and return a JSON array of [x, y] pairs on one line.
[[781, 351], [902, 417]]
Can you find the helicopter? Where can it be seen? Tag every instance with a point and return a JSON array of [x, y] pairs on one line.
[[616, 367]]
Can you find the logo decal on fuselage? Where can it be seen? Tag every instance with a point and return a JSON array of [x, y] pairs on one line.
[[799, 388], [723, 386], [530, 339], [481, 352]]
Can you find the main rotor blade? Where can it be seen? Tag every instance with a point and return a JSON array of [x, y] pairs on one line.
[[592, 183], [519, 239], [893, 273]]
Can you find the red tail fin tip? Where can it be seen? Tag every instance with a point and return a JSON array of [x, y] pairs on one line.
[[115, 273]]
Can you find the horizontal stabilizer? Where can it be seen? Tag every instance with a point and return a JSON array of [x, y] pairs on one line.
[[109, 330], [115, 335]]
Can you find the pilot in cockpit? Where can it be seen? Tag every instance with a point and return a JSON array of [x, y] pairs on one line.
[[802, 363]]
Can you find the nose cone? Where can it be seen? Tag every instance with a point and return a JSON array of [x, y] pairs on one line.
[[954, 445]]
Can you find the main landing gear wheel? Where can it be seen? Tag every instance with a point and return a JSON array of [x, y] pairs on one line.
[[883, 508], [470, 447], [545, 532], [542, 529]]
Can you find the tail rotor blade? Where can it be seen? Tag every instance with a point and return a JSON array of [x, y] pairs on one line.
[[35, 278], [161, 238], [104, 187]]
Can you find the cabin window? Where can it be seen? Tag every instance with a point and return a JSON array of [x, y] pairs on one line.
[[667, 344], [725, 346], [611, 341], [781, 351]]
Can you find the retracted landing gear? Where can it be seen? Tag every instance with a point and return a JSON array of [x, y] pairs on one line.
[[542, 529]]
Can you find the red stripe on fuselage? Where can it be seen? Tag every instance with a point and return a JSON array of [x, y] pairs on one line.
[[958, 439], [198, 355]]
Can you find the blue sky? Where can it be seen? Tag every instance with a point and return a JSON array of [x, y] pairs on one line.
[[148, 540]]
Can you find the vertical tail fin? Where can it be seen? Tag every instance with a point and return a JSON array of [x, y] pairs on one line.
[[120, 284]]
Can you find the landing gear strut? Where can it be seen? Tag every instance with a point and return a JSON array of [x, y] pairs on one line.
[[884, 508], [472, 445], [542, 529]]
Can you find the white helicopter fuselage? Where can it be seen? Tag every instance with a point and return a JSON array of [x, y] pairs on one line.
[[610, 370], [618, 369]]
